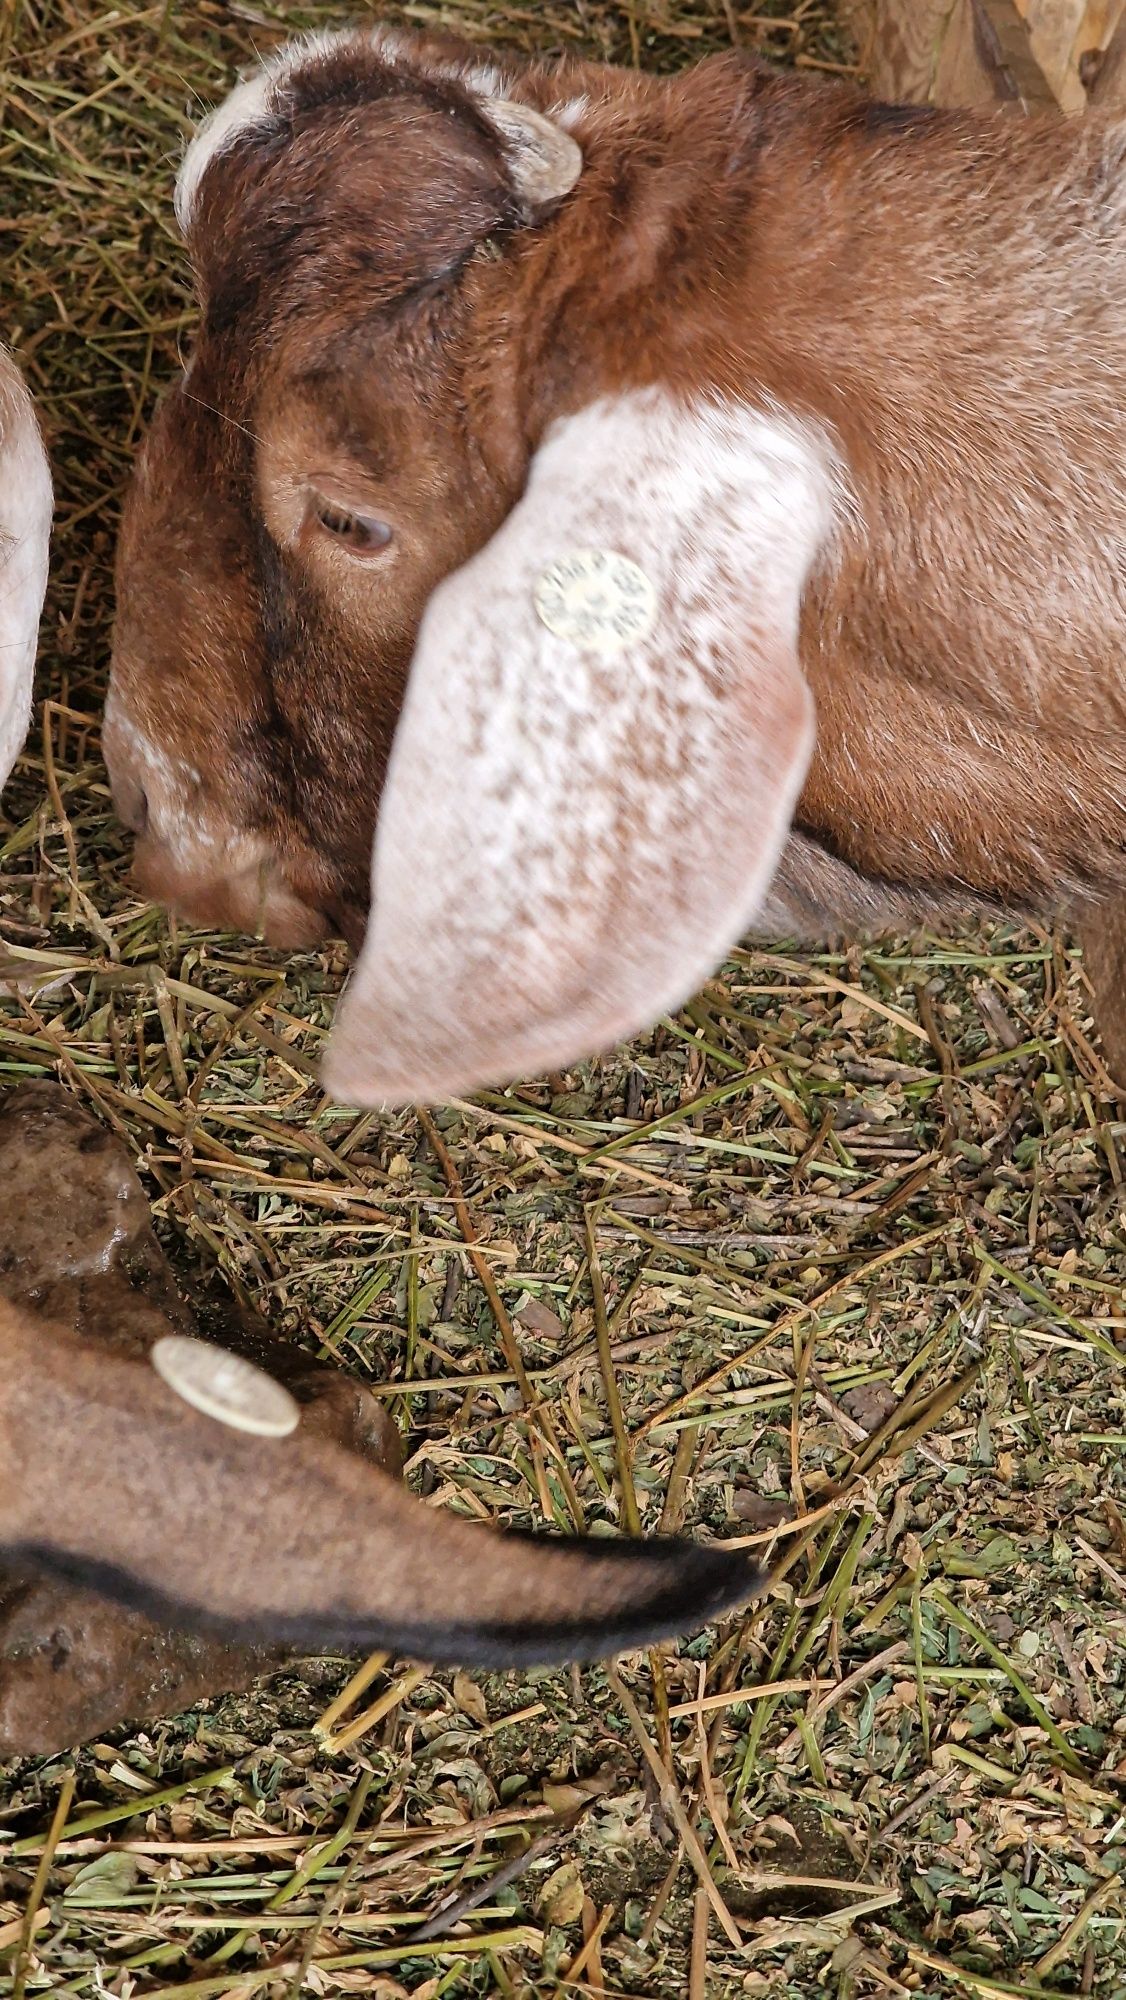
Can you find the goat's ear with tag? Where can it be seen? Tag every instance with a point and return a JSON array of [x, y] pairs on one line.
[[604, 736], [109, 1479]]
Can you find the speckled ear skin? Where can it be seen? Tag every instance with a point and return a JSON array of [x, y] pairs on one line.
[[114, 1489], [603, 787]]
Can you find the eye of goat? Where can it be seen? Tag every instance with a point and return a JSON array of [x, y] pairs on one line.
[[363, 533]]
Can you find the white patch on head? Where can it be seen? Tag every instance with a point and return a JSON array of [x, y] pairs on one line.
[[25, 533], [251, 101], [398, 46], [249, 105], [569, 842], [572, 112], [245, 108]]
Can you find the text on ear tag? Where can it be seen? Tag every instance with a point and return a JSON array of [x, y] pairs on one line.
[[597, 599], [225, 1387]]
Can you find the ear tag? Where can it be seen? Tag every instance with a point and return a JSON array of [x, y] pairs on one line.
[[601, 601], [224, 1386]]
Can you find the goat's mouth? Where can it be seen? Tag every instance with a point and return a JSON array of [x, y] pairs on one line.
[[223, 891], [348, 919]]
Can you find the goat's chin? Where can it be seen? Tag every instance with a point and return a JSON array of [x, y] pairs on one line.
[[294, 926], [350, 921], [254, 899]]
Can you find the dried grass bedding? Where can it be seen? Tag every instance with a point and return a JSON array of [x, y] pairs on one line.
[[833, 1260]]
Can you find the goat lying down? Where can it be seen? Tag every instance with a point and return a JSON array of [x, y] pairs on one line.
[[604, 514], [111, 1480]]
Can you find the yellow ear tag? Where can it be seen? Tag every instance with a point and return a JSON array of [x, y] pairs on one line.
[[599, 600]]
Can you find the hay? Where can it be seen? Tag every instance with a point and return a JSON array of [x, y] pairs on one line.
[[843, 1241]]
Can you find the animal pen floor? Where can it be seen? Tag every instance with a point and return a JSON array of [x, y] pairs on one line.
[[857, 1219]]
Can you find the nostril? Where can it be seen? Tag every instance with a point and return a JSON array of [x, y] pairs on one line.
[[130, 803], [124, 750]]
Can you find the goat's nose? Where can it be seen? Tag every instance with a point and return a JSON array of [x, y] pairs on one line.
[[130, 800]]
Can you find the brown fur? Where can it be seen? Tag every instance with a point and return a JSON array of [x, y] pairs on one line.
[[943, 293], [109, 1482]]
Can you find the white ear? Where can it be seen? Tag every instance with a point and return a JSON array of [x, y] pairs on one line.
[[604, 735], [25, 527], [543, 160]]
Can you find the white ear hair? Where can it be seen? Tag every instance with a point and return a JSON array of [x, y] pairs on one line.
[[543, 160], [604, 735], [25, 529]]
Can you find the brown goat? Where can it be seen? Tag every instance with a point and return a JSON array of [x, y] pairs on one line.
[[702, 500], [111, 1481]]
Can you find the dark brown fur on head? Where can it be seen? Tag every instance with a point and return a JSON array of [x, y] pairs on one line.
[[330, 246]]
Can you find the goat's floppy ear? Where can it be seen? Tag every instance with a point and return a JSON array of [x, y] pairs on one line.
[[543, 160], [25, 526], [604, 735], [109, 1479]]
